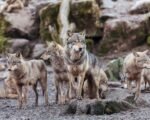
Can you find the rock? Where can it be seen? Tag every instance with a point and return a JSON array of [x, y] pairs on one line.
[[140, 7], [87, 8], [21, 45], [85, 15], [148, 40], [123, 34], [114, 68], [23, 24], [38, 50], [3, 28], [48, 18], [116, 101], [121, 30]]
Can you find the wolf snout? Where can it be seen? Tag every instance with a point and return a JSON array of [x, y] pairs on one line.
[[80, 49]]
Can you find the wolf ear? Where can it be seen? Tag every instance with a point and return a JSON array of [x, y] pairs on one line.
[[18, 54], [146, 52], [54, 43], [135, 54], [69, 33], [83, 33]]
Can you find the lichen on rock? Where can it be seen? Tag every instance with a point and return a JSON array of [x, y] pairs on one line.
[[3, 28]]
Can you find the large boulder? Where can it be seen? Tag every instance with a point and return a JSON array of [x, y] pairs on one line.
[[48, 20], [124, 33], [84, 15], [24, 23], [122, 30], [117, 100], [21, 45], [38, 50]]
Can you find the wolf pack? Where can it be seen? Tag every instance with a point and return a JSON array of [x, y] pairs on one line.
[[78, 74]]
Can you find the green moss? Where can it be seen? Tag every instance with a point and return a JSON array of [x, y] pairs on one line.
[[83, 11], [48, 16], [3, 27], [103, 48], [90, 44], [148, 40]]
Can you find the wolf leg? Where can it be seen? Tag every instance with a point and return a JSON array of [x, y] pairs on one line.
[[71, 79], [24, 95], [43, 83], [36, 94], [129, 85], [19, 91], [56, 87], [138, 89], [80, 86]]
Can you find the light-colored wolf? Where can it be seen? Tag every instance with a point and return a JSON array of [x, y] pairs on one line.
[[27, 73], [132, 67], [82, 65], [54, 53]]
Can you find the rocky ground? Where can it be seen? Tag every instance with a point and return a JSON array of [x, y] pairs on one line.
[[140, 110]]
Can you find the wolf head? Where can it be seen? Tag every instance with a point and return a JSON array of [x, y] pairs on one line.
[[75, 46], [141, 58], [53, 50], [14, 62]]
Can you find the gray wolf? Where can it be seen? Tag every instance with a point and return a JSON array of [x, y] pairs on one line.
[[54, 54], [27, 73], [132, 67], [82, 65]]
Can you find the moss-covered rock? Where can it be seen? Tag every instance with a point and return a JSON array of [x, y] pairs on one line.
[[90, 44], [148, 40], [121, 35], [4, 25], [84, 14], [48, 19]]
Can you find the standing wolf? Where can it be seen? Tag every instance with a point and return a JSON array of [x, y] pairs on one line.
[[132, 67], [54, 53], [82, 65], [27, 73]]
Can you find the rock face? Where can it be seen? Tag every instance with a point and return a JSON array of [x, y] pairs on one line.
[[38, 50], [21, 45], [23, 23], [116, 101], [110, 25], [122, 30], [84, 15]]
